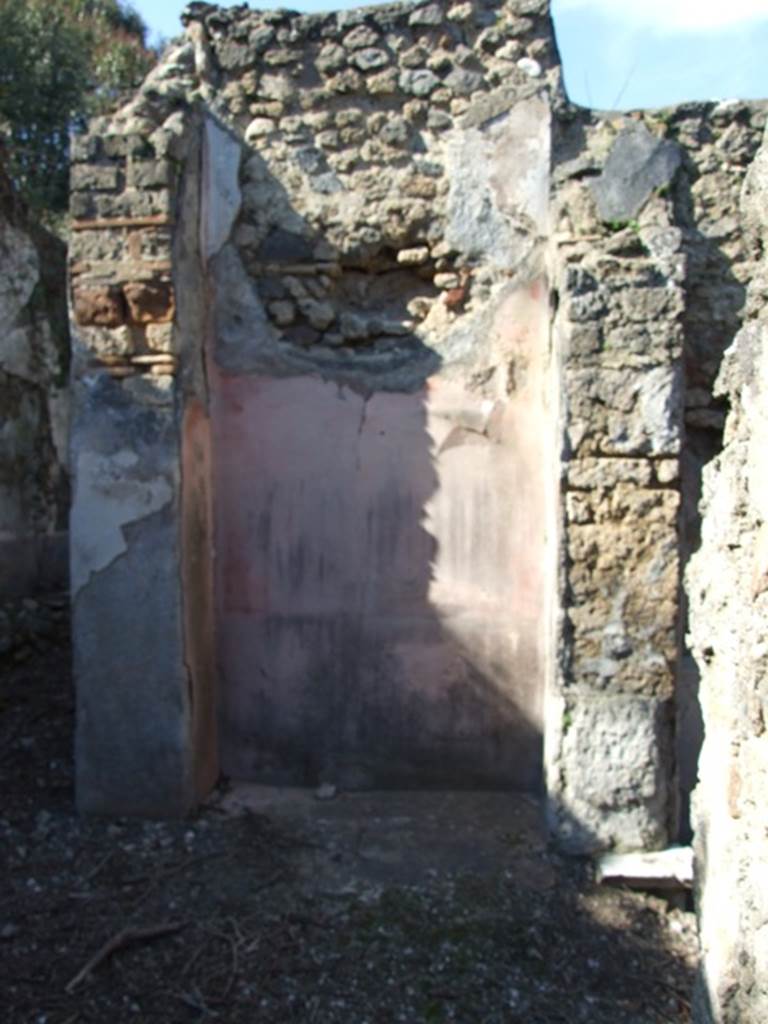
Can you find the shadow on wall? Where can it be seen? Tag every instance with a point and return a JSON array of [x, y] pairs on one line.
[[380, 583]]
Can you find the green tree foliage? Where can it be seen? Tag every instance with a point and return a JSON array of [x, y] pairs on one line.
[[61, 61]]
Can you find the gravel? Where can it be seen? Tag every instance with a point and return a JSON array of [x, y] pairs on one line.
[[280, 907]]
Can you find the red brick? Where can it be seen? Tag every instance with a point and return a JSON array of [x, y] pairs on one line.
[[103, 306], [150, 301]]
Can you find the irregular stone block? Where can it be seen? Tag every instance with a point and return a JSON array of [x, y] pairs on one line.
[[331, 58], [94, 177], [280, 57], [285, 247], [605, 474], [369, 59], [233, 55], [419, 82], [150, 173], [623, 584], [347, 81], [383, 83], [637, 164], [413, 257], [361, 37], [282, 311], [438, 120], [430, 15], [460, 12], [614, 765], [463, 82], [625, 412], [276, 87], [259, 127], [108, 341], [160, 337], [84, 148], [319, 314], [530, 67], [413, 57]]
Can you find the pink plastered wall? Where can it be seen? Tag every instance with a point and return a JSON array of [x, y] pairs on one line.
[[383, 571]]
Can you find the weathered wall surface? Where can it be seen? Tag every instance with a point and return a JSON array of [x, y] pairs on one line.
[[373, 203], [380, 357], [141, 524], [383, 577], [351, 291], [718, 142], [33, 403], [727, 584], [618, 330], [651, 266]]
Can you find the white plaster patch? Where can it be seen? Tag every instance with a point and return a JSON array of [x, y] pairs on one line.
[[107, 498], [499, 176], [520, 176], [658, 402], [221, 188]]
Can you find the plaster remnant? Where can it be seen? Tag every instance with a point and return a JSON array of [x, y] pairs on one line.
[[221, 187], [490, 211], [110, 494]]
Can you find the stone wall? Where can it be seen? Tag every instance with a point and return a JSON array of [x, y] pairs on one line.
[[397, 371], [620, 273], [650, 271], [727, 584], [33, 403], [364, 271], [385, 624], [718, 142]]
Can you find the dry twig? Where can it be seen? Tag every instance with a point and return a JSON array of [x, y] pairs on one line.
[[126, 937], [102, 863]]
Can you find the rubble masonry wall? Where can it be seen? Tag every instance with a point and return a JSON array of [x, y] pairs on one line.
[[400, 203]]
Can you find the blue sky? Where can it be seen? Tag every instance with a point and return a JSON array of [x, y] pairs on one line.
[[622, 54]]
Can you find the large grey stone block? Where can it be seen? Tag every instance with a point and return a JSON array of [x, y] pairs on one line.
[[609, 786], [638, 163]]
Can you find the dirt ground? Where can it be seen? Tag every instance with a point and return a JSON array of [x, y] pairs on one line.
[[279, 906]]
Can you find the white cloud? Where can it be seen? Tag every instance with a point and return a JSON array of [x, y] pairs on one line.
[[674, 15]]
